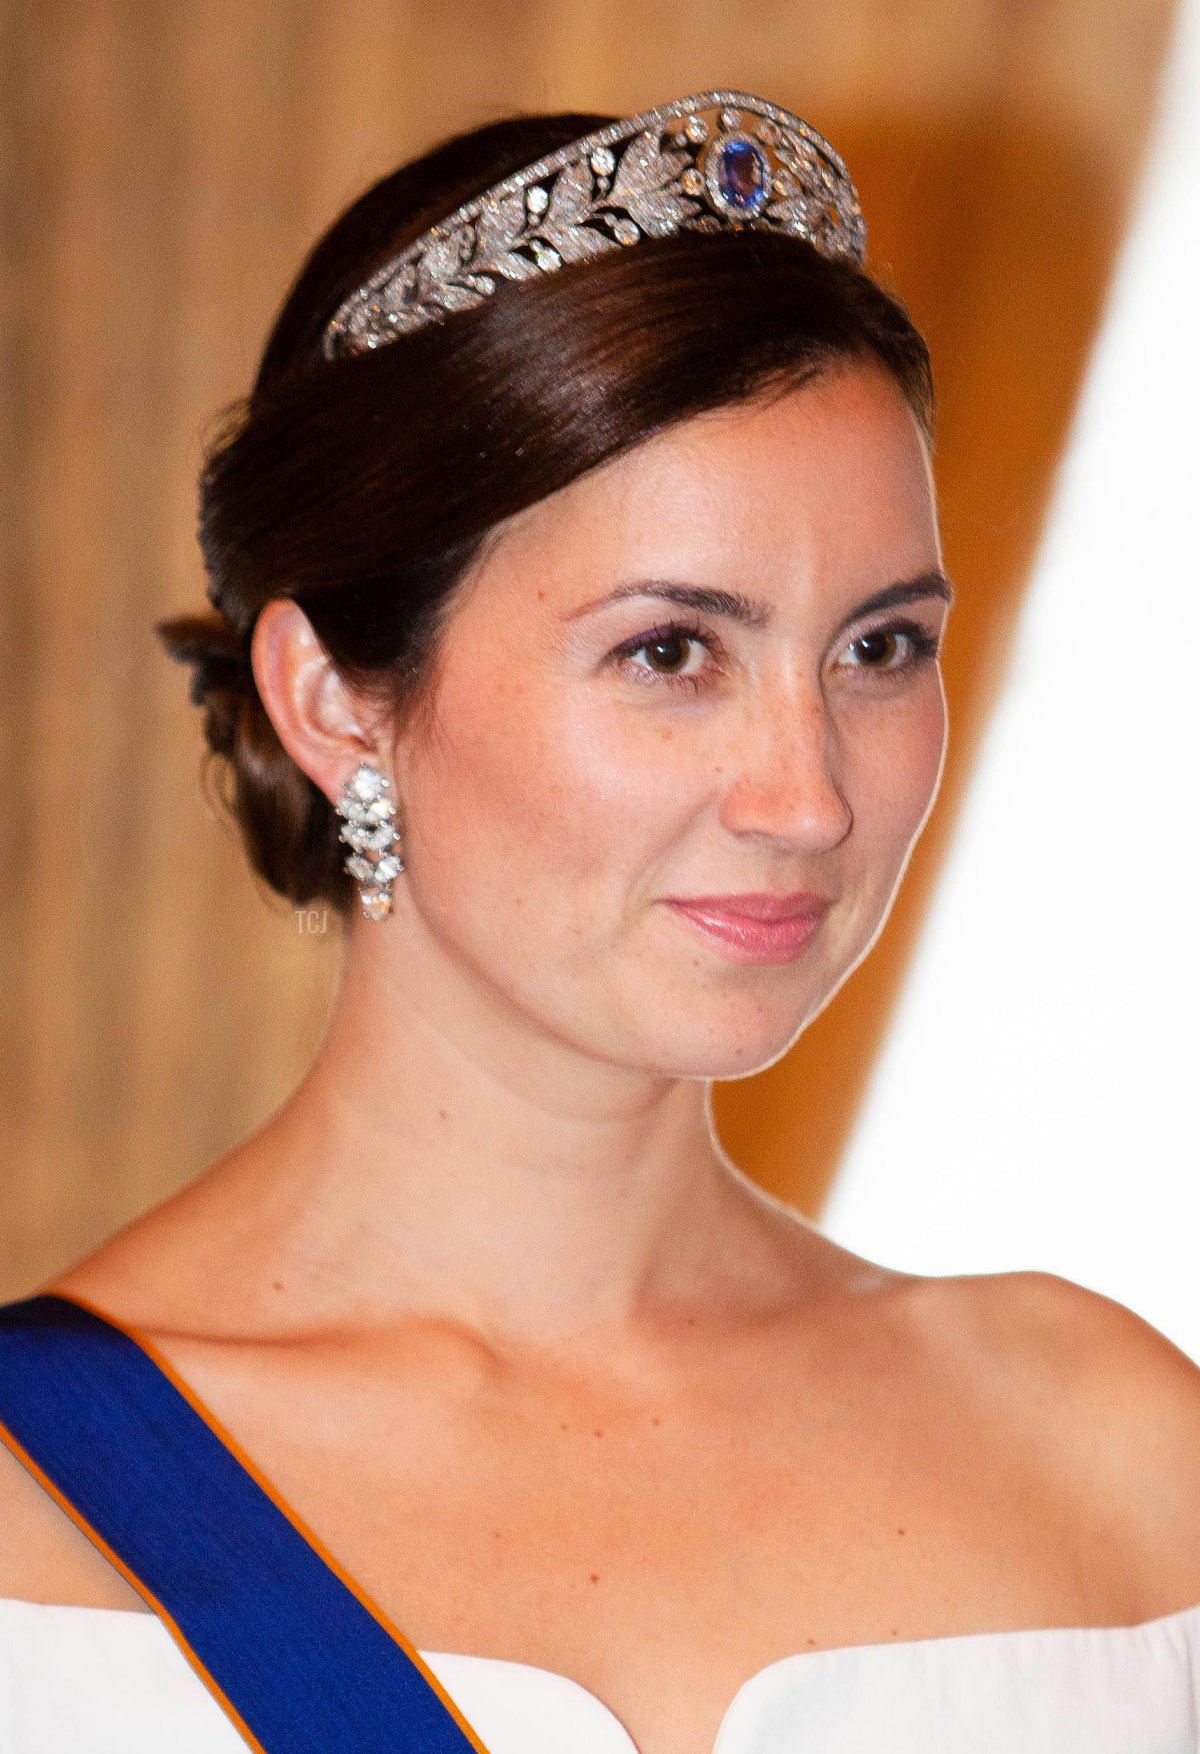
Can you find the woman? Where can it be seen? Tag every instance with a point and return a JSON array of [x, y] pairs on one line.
[[580, 600]]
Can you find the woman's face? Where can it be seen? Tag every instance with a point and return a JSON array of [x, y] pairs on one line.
[[666, 682]]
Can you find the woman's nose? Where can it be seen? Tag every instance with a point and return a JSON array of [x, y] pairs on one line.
[[782, 780]]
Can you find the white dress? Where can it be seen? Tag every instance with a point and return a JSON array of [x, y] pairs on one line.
[[112, 1681]]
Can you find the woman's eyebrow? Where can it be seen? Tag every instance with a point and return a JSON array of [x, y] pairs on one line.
[[933, 583], [735, 606], [708, 600]]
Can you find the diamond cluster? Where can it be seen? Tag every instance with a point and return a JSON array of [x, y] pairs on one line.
[[368, 808], [711, 162]]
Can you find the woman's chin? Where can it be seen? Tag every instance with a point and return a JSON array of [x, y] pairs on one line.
[[712, 1047]]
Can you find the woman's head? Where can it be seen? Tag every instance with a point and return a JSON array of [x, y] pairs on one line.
[[732, 411]]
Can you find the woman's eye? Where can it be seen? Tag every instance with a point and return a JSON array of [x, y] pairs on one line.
[[671, 653], [674, 654], [899, 646]]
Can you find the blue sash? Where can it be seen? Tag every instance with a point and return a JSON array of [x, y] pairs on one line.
[[293, 1651]]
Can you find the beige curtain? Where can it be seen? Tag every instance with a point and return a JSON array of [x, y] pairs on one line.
[[166, 163]]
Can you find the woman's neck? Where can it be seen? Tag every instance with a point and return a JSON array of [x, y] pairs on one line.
[[443, 1156]]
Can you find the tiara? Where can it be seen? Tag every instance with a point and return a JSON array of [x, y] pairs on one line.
[[716, 161]]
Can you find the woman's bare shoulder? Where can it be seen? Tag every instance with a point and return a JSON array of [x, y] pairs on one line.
[[1109, 1400], [44, 1555], [1062, 1335]]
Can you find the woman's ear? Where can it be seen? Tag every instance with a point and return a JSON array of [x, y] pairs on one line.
[[320, 723]]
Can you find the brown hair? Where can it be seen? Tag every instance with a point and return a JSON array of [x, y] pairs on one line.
[[364, 488]]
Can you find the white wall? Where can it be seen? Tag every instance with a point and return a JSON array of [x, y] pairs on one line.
[[1037, 1103]]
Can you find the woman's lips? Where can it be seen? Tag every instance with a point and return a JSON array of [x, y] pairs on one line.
[[756, 928]]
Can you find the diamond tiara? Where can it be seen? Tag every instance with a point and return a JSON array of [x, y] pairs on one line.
[[716, 161]]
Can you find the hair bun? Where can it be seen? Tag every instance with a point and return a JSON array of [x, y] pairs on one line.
[[222, 675], [214, 651], [219, 658], [289, 826]]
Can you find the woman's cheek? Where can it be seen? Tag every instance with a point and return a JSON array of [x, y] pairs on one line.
[[523, 782], [913, 770], [899, 776], [934, 728]]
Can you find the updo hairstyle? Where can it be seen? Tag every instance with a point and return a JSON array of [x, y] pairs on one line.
[[365, 487]]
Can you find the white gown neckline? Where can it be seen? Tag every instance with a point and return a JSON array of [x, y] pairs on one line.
[[446, 1663]]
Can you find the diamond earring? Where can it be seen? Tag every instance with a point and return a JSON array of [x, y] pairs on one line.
[[367, 808]]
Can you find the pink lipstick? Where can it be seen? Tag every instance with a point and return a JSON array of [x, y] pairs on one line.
[[756, 927]]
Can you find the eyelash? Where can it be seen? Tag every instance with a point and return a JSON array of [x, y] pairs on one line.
[[924, 646]]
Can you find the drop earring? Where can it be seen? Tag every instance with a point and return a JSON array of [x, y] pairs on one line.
[[367, 808]]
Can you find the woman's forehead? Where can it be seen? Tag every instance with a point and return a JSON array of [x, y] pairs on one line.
[[829, 469]]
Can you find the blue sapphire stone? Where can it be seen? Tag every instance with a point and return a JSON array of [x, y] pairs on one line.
[[743, 175]]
